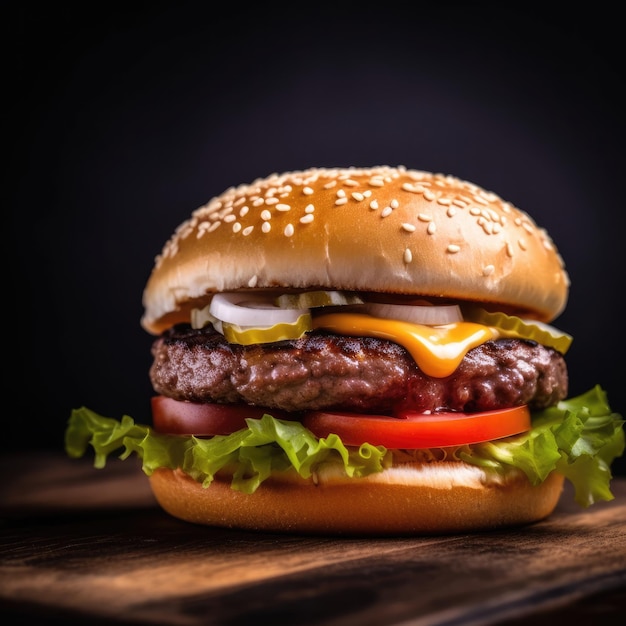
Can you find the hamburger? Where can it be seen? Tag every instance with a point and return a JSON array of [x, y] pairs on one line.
[[360, 351]]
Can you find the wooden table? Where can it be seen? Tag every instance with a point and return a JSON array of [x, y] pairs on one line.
[[81, 545]]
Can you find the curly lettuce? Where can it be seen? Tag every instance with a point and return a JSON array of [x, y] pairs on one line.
[[579, 438], [266, 445]]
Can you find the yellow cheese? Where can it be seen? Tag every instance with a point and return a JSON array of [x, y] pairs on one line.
[[437, 350]]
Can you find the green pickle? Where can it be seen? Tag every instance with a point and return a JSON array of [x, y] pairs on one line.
[[513, 326], [314, 299], [247, 336]]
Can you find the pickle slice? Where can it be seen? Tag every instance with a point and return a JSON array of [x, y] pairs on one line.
[[314, 299], [246, 335], [512, 326]]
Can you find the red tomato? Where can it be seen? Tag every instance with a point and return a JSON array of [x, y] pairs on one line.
[[418, 430], [408, 430], [189, 418]]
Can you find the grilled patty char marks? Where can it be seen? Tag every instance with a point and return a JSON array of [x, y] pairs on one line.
[[322, 371]]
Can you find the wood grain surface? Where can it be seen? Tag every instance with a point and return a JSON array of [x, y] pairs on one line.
[[80, 544]]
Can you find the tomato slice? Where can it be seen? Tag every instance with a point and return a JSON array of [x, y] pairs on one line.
[[410, 430], [189, 418], [414, 430]]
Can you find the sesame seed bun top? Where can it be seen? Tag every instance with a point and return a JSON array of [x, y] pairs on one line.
[[381, 229]]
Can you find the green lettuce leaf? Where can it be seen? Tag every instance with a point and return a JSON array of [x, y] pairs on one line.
[[579, 438], [252, 454]]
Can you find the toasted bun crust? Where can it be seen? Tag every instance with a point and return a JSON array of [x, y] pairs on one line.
[[441, 498], [382, 229]]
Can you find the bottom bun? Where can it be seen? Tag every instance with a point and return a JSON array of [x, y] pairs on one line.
[[433, 499]]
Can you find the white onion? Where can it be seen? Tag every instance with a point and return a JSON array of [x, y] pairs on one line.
[[245, 309], [431, 315]]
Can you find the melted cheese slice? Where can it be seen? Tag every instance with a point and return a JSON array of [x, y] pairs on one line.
[[437, 350]]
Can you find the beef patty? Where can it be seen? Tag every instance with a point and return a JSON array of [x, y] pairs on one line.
[[322, 371]]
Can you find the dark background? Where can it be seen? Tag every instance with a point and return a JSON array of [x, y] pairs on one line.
[[122, 120]]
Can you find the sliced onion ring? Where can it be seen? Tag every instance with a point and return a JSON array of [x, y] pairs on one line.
[[431, 315], [245, 309]]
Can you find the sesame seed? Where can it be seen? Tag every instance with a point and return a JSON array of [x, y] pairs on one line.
[[234, 207], [266, 227], [253, 281], [408, 256], [486, 225]]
